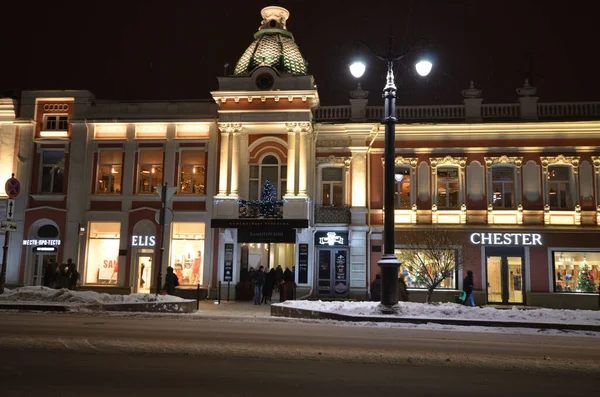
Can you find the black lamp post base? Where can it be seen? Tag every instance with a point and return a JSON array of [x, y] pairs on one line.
[[389, 265]]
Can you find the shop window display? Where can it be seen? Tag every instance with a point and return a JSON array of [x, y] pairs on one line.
[[414, 277], [187, 252], [102, 266], [576, 271]]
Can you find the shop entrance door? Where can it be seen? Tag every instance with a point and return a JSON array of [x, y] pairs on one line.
[[39, 260], [332, 273], [505, 282], [143, 280]]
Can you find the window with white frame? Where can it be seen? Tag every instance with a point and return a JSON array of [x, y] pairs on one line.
[[503, 187], [110, 171], [332, 186], [448, 185], [559, 187], [56, 122], [269, 169], [150, 170], [402, 181], [192, 172], [52, 170]]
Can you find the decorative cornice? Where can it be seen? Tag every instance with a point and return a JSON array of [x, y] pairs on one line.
[[560, 159], [334, 143], [596, 162], [448, 160], [334, 160], [230, 127], [412, 161], [490, 161], [298, 127]]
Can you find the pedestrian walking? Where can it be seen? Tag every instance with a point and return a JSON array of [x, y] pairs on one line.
[[376, 288], [259, 282], [468, 285], [402, 290], [171, 281]]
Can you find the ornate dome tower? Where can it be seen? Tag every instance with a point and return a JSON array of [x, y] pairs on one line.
[[273, 46]]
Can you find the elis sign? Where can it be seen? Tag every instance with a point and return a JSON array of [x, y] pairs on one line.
[[143, 241]]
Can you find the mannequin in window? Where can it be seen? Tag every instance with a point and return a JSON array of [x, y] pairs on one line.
[[196, 268]]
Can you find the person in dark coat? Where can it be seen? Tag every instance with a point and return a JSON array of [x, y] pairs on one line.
[[171, 281], [402, 290], [468, 285], [48, 273], [72, 274], [278, 277], [287, 275], [268, 287], [259, 283], [376, 288]]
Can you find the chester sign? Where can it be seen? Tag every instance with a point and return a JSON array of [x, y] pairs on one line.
[[513, 239]]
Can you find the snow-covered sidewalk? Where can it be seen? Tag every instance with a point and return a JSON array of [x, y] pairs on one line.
[[448, 311]]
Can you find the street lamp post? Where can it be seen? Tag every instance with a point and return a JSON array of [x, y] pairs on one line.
[[389, 263]]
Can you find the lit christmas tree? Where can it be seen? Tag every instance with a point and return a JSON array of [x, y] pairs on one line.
[[268, 206], [585, 283]]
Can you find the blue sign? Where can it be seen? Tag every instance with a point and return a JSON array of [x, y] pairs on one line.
[[12, 187]]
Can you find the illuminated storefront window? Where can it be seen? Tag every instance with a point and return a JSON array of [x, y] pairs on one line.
[[109, 171], [576, 271], [417, 266], [103, 253], [187, 252]]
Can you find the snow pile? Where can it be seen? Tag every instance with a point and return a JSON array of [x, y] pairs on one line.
[[451, 311], [45, 295]]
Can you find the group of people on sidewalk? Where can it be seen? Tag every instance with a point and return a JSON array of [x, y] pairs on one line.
[[266, 282], [468, 285], [60, 276]]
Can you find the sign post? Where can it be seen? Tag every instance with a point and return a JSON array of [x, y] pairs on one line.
[[12, 188], [165, 193]]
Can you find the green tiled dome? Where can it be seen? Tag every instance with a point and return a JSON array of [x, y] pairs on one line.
[[273, 46]]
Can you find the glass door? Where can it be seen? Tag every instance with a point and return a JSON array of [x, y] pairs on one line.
[[505, 276], [144, 274], [332, 273]]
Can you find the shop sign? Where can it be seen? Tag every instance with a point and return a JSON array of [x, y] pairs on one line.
[[258, 235], [143, 241], [506, 239], [41, 242], [331, 238], [259, 223], [44, 249], [228, 264], [302, 263]]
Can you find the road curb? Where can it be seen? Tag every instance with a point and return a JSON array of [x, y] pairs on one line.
[[186, 306], [280, 311]]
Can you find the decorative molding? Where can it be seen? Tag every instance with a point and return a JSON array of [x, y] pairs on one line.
[[345, 161], [298, 127], [56, 107], [596, 161], [230, 127], [448, 160], [399, 160], [334, 143], [560, 159], [516, 161]]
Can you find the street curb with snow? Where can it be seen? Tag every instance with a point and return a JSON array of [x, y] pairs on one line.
[[282, 311], [184, 306]]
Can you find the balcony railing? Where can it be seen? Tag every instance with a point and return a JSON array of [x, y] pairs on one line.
[[329, 214], [267, 210]]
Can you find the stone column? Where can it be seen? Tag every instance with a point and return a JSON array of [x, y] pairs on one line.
[[291, 156], [235, 161], [224, 160], [303, 160]]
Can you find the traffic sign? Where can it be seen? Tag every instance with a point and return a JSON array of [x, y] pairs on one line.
[[168, 216], [170, 192], [9, 226], [12, 187], [10, 209]]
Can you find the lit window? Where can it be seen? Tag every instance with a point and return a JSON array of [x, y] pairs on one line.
[[332, 186], [269, 170], [420, 267], [187, 252], [576, 271], [53, 169], [102, 266], [503, 187], [447, 188], [402, 188], [58, 123], [193, 172], [559, 187], [150, 166], [110, 171]]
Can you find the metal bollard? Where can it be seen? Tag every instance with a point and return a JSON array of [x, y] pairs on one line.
[[198, 298]]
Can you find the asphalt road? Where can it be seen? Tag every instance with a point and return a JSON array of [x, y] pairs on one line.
[[81, 355]]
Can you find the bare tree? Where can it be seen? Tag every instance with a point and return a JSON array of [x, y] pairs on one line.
[[432, 256]]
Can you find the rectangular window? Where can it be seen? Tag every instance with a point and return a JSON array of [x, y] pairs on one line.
[[332, 186], [53, 169], [447, 188], [150, 166], [559, 188], [253, 182], [402, 188], [103, 253], [58, 123], [193, 172], [187, 252], [110, 171], [503, 187], [576, 271], [418, 267]]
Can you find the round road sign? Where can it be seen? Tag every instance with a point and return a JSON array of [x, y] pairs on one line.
[[12, 187]]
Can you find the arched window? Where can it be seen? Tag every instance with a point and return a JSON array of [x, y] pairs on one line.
[[503, 187], [448, 184], [269, 169], [559, 187]]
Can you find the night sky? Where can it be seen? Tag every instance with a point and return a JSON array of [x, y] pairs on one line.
[[168, 50]]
